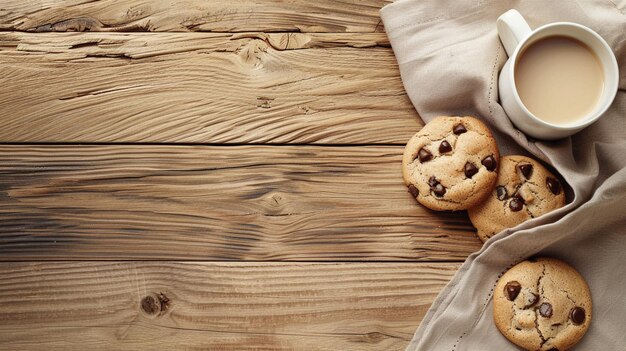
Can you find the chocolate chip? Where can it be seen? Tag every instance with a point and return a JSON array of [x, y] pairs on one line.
[[532, 300], [512, 289], [470, 169], [459, 129], [516, 204], [432, 181], [444, 147], [501, 193], [577, 315], [424, 155], [554, 185], [545, 309], [490, 163], [554, 349], [436, 187], [526, 169], [413, 190], [439, 190]]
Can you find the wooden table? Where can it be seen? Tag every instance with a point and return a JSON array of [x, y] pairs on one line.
[[210, 175]]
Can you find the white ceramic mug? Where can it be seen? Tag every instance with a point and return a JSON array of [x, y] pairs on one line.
[[516, 35]]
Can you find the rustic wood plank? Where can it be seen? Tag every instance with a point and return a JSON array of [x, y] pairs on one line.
[[215, 306], [202, 88], [218, 203], [192, 15]]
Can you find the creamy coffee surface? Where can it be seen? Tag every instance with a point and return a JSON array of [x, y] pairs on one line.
[[559, 79]]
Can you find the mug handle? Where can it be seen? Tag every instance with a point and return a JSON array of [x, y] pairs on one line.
[[512, 29]]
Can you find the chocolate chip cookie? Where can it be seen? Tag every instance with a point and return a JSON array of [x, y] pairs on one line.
[[525, 189], [451, 164], [542, 304]]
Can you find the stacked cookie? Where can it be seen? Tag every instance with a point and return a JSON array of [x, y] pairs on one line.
[[524, 190], [453, 163]]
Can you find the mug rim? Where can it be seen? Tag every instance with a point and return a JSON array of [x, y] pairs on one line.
[[604, 44]]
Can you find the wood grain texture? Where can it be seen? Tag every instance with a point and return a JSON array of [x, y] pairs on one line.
[[215, 306], [272, 72], [202, 88], [192, 15], [218, 203]]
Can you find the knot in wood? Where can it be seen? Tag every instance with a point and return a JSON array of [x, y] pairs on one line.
[[275, 203], [276, 200], [374, 337], [154, 304]]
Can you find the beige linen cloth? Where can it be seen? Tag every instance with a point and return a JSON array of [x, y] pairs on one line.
[[450, 56]]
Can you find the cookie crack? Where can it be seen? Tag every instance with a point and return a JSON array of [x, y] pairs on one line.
[[562, 290], [567, 296], [469, 193], [546, 340], [416, 169], [512, 314], [516, 191], [477, 132], [540, 288], [569, 321], [454, 140], [543, 339], [533, 183], [536, 196], [432, 140], [544, 274], [505, 202], [529, 213], [446, 200]]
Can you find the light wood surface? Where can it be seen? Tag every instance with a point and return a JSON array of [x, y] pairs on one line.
[[210, 175], [215, 306], [193, 15], [218, 203], [203, 88]]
